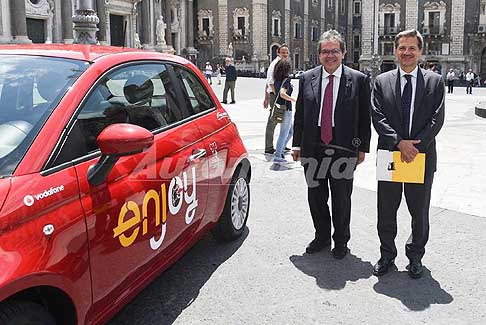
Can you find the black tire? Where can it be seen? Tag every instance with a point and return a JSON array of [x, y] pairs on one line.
[[232, 221], [24, 313]]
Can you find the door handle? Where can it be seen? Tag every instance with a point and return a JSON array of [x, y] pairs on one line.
[[199, 153]]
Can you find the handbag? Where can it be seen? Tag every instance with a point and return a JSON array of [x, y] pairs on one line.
[[278, 111]]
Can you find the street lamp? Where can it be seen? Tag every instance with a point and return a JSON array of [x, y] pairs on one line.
[[85, 20]]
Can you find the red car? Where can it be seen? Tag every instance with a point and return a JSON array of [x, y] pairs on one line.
[[113, 163]]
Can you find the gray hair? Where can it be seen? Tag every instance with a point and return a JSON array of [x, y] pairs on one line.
[[332, 35], [410, 33]]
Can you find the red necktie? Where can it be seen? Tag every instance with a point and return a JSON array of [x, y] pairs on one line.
[[326, 114]]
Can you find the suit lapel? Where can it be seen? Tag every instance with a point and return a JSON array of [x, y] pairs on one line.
[[342, 84], [419, 96], [316, 83], [395, 84]]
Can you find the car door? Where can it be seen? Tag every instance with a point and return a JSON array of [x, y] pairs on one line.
[[144, 213], [216, 129]]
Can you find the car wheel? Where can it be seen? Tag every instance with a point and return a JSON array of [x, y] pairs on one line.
[[235, 213], [25, 313]]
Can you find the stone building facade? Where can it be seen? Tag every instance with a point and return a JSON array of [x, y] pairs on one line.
[[251, 30]]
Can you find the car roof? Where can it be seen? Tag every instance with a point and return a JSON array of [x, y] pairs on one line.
[[78, 51]]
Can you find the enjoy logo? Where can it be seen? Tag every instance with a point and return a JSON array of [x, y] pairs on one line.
[[29, 200]]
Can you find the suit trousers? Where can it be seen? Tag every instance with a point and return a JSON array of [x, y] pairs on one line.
[[417, 197], [320, 181], [271, 124]]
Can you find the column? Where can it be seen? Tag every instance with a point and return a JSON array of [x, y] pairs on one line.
[[168, 22], [223, 26], [190, 24], [411, 14], [102, 26], [145, 37], [323, 17], [457, 27], [287, 22], [349, 36], [67, 21], [85, 23], [258, 30], [19, 26], [306, 33]]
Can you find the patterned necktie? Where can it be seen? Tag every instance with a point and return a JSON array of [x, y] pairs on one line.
[[326, 114], [406, 104]]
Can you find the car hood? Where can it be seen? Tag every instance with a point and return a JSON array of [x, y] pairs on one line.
[[4, 189]]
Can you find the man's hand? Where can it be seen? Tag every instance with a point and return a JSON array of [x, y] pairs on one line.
[[265, 103], [361, 157], [408, 150], [296, 155]]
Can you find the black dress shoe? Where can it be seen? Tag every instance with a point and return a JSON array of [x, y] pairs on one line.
[[224, 102], [232, 102], [270, 151], [287, 149], [339, 251], [317, 245], [383, 266], [415, 269]]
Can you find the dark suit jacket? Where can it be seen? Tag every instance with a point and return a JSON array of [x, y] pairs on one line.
[[428, 115], [351, 116]]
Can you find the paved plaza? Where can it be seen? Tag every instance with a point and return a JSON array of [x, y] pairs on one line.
[[265, 277]]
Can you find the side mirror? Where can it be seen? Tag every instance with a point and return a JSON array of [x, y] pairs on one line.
[[115, 141]]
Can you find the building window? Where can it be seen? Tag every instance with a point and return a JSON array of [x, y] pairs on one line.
[[315, 33], [296, 61], [357, 8], [434, 22], [330, 4], [205, 24], [241, 25], [483, 9], [297, 31], [276, 25], [388, 49], [356, 57], [342, 6], [356, 42]]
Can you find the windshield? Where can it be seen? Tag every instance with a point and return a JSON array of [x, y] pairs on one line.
[[30, 88]]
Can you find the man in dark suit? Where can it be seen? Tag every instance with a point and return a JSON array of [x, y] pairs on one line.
[[331, 135], [407, 112]]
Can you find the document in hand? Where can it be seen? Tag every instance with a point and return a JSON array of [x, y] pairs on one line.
[[389, 167]]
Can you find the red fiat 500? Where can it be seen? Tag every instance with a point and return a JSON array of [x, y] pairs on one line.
[[113, 162]]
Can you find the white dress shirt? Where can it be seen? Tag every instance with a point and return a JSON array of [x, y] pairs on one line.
[[335, 90], [403, 82], [271, 68]]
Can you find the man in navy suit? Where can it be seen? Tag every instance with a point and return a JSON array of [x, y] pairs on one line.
[[331, 136], [407, 112]]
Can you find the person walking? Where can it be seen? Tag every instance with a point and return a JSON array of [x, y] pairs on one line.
[[451, 76], [270, 96], [332, 131], [283, 88], [218, 71], [470, 81], [208, 72], [408, 113], [230, 81]]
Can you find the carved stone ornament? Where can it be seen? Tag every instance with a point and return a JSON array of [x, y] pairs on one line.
[[315, 3], [390, 8], [238, 34], [39, 8], [202, 14], [276, 14], [441, 5]]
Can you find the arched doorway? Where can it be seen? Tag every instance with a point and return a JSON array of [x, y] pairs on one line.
[[482, 71], [274, 51]]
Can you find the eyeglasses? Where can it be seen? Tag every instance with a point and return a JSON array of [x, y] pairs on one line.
[[333, 52]]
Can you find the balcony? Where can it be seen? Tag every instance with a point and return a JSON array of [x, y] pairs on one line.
[[433, 30], [388, 30]]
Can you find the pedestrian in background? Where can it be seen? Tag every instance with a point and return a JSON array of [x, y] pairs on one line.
[[408, 113], [230, 81], [332, 132], [470, 81], [283, 88], [218, 71], [270, 96], [451, 76], [208, 72]]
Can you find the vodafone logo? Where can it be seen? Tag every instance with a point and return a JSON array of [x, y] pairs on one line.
[[28, 200]]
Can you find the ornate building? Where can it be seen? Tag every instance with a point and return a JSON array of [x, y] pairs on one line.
[[251, 30]]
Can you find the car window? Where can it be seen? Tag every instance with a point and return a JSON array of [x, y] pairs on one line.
[[30, 89], [138, 94], [197, 98]]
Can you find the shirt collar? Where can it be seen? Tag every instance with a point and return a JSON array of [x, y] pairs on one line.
[[336, 74], [413, 73]]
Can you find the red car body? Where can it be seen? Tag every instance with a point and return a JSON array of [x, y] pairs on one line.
[[105, 242]]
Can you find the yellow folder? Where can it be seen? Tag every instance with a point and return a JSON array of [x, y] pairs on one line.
[[389, 167]]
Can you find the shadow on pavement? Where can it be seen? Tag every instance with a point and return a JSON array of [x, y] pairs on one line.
[[332, 274], [175, 289], [415, 294]]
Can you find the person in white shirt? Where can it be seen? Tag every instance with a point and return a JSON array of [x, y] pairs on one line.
[[208, 72], [270, 96], [451, 76], [470, 81]]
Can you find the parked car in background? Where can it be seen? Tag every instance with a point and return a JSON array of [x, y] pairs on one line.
[[113, 163]]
